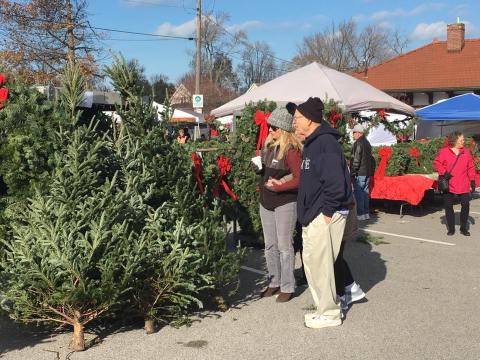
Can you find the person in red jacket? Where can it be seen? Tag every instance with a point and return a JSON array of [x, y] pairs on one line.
[[458, 162]]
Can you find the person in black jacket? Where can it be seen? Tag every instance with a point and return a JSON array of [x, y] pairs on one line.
[[361, 168], [324, 195]]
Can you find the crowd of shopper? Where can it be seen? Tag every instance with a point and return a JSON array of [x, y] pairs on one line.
[[308, 186], [306, 179]]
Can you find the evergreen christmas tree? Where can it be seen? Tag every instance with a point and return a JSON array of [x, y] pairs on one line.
[[118, 225], [28, 125], [73, 247], [184, 238]]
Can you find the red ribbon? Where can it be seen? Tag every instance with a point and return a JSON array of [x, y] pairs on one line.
[[385, 153], [196, 171], [381, 114], [260, 119], [334, 117], [3, 96], [3, 91], [413, 152], [224, 167]]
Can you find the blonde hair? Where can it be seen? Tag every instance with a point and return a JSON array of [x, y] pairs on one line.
[[286, 141]]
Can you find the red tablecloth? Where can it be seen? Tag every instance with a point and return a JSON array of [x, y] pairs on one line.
[[409, 188]]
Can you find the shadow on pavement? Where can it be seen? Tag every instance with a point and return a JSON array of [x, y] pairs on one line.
[[471, 220], [367, 266], [431, 203], [15, 336]]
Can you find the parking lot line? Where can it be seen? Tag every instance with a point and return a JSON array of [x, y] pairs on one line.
[[248, 268], [475, 212], [409, 237]]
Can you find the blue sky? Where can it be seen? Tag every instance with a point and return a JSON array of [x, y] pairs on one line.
[[281, 23]]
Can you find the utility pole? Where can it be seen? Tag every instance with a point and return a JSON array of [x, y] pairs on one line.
[[198, 42], [198, 57]]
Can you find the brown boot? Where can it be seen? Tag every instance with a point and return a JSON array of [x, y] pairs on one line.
[[284, 297], [268, 292]]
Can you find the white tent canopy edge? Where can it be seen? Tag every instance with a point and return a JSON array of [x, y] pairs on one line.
[[353, 95]]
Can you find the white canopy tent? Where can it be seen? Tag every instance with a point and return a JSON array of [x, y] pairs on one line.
[[318, 80], [180, 115], [378, 135], [225, 120]]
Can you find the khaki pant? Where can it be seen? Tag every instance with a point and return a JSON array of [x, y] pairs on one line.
[[321, 244]]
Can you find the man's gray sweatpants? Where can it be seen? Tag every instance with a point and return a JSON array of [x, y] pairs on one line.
[[278, 226]]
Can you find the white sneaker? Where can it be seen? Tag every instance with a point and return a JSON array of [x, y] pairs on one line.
[[310, 316], [321, 321], [366, 217], [360, 217], [353, 293]]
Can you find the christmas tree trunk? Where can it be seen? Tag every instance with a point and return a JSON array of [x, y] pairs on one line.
[[78, 341], [149, 326]]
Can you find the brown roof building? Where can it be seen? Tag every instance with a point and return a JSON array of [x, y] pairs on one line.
[[436, 71]]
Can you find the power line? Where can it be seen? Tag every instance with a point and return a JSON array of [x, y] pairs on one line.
[[277, 69], [97, 27], [142, 33], [138, 40]]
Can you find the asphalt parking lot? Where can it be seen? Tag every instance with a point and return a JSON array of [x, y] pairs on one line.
[[422, 288]]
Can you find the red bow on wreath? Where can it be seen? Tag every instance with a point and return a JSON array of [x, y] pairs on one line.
[[381, 114], [413, 152], [3, 91], [334, 117], [385, 153], [260, 119], [196, 171], [224, 167]]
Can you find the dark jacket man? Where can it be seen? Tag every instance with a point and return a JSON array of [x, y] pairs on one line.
[[325, 180], [361, 161]]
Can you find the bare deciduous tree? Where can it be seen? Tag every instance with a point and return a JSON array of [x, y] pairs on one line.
[[214, 94], [218, 44], [398, 42], [331, 47], [258, 64], [344, 48], [40, 36]]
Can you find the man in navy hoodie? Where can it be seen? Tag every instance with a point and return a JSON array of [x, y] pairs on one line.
[[324, 195]]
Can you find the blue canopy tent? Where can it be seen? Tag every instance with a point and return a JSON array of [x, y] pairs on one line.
[[459, 113]]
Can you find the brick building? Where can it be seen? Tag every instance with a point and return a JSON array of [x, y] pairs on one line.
[[436, 71]]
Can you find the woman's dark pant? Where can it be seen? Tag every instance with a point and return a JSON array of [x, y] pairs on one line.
[[448, 200], [343, 275]]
